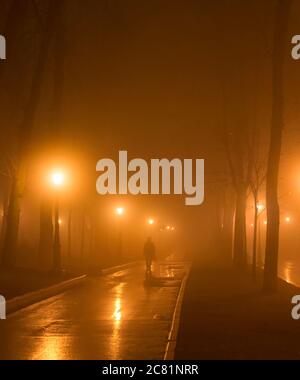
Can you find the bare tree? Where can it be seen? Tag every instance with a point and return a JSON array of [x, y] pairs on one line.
[[224, 195], [240, 171], [227, 221], [46, 243], [24, 138], [272, 237], [257, 180]]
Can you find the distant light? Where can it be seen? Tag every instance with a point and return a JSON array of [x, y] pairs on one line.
[[150, 221], [287, 219], [265, 222], [120, 211], [59, 221], [168, 227], [172, 228], [252, 225], [57, 179], [260, 206]]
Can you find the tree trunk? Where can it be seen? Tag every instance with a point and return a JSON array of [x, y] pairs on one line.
[[13, 218], [254, 249], [69, 248], [82, 235], [16, 14], [272, 237], [46, 227], [259, 250], [219, 222], [46, 236], [4, 211], [57, 261], [239, 247], [228, 228], [25, 129]]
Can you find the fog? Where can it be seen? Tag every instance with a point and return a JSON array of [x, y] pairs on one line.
[[159, 80]]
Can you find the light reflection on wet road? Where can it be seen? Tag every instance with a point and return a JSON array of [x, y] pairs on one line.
[[289, 270], [110, 317]]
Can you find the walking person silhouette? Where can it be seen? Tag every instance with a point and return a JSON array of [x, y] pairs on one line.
[[149, 254]]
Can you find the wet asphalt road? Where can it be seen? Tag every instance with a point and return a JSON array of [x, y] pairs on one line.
[[109, 317]]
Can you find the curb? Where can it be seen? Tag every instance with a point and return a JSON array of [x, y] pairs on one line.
[[172, 338], [31, 298], [110, 270], [28, 299]]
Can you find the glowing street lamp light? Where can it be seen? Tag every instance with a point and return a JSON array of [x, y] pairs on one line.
[[151, 229], [57, 179], [288, 219], [260, 207], [265, 222], [120, 211]]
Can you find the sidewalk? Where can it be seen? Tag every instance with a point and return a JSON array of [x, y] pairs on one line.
[[107, 317], [225, 316], [19, 281]]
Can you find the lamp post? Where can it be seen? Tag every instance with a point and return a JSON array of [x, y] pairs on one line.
[[259, 208], [120, 212], [57, 180]]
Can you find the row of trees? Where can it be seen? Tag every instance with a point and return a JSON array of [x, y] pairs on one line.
[[33, 80], [251, 165], [36, 29]]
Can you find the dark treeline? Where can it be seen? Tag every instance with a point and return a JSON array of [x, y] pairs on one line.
[[254, 164]]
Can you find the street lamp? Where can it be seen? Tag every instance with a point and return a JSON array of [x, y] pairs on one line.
[[151, 222], [260, 207], [119, 211], [57, 181], [287, 219], [258, 210]]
